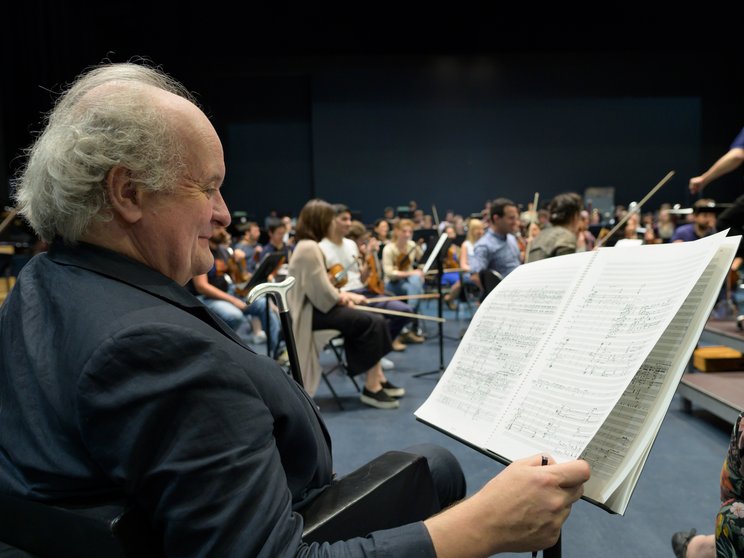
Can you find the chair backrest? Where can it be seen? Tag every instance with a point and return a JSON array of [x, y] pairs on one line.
[[321, 337]]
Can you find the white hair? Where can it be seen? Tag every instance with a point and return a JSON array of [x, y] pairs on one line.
[[63, 185]]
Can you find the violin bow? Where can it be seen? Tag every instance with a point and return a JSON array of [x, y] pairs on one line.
[[636, 209], [375, 310], [8, 218]]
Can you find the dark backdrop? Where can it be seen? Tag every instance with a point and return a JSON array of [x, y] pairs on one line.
[[449, 113]]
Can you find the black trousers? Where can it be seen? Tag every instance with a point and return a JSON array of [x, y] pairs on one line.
[[366, 335]]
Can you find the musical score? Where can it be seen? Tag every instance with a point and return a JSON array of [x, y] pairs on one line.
[[585, 363]]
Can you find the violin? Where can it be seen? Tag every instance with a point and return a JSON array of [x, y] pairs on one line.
[[337, 275], [374, 281], [404, 261], [237, 268], [450, 261]]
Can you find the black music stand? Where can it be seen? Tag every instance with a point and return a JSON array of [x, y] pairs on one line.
[[261, 275], [435, 256], [428, 235]]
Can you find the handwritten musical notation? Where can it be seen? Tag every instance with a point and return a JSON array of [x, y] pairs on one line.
[[579, 356]]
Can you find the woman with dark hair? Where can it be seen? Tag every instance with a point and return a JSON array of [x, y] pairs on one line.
[[316, 304], [562, 236]]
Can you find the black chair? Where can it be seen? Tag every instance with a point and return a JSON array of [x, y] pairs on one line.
[[332, 340], [363, 501]]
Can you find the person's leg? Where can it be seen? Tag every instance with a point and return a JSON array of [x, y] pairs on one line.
[[413, 285], [276, 333], [449, 480], [366, 336], [274, 327], [729, 537], [366, 341], [395, 323], [229, 313]]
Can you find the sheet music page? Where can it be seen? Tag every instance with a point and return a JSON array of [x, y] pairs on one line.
[[625, 302], [555, 345], [493, 355], [619, 450]]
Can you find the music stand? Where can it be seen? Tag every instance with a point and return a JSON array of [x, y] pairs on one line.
[[267, 266], [428, 236], [437, 250]]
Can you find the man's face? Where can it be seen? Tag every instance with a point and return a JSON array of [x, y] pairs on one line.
[[277, 237], [508, 223], [405, 233], [254, 233], [176, 226], [343, 223], [705, 220]]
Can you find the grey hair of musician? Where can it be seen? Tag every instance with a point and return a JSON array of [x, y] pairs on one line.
[[108, 117]]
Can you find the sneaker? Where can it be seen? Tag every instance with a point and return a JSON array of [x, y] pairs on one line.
[[258, 337], [387, 364], [393, 391], [680, 540], [410, 337], [283, 358], [378, 399], [398, 344]]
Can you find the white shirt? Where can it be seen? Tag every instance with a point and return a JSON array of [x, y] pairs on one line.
[[346, 254]]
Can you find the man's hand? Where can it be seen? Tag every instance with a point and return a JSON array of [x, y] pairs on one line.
[[697, 184], [521, 509]]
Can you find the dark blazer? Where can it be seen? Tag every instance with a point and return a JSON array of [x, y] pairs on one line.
[[116, 382]]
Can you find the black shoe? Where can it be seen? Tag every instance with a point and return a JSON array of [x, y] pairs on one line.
[[393, 391], [378, 399], [680, 540]]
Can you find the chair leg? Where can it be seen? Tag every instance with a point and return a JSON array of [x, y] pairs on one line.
[[324, 375], [341, 358], [340, 365], [353, 381]]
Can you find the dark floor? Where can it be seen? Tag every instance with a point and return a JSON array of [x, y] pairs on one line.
[[678, 488]]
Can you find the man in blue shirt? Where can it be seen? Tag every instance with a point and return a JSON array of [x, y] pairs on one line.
[[704, 222], [497, 250]]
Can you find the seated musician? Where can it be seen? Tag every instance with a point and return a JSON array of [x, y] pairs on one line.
[[250, 246], [218, 290], [277, 229], [117, 383], [381, 233], [401, 277], [315, 304], [451, 275], [475, 230], [343, 255], [562, 236]]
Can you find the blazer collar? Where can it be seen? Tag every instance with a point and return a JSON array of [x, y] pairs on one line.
[[139, 276]]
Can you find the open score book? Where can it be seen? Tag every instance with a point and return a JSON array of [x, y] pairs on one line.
[[580, 356]]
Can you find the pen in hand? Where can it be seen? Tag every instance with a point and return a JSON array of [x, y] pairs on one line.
[[543, 462]]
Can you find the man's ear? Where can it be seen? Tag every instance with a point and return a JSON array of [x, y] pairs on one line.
[[124, 195]]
